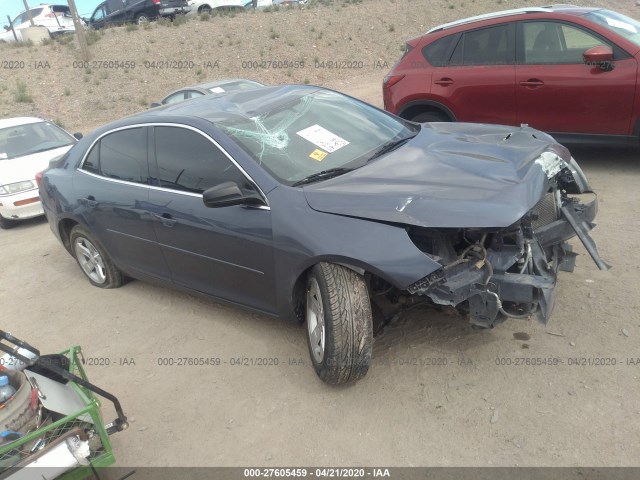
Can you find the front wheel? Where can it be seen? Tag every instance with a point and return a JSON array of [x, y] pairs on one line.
[[339, 323], [205, 9], [6, 224], [93, 260], [141, 18]]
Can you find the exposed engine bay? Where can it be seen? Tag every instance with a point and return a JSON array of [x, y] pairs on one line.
[[494, 274]]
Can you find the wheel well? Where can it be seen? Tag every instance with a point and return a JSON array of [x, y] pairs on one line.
[[64, 227], [414, 110], [299, 287], [202, 7]]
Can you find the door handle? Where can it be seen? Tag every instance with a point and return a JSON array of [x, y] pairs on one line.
[[444, 82], [91, 201], [532, 83], [166, 219]]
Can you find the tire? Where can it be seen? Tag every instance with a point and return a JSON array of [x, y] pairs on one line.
[[17, 414], [6, 224], [204, 9], [141, 18], [93, 260], [339, 323], [431, 116]]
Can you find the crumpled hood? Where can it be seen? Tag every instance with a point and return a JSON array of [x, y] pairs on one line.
[[450, 175]]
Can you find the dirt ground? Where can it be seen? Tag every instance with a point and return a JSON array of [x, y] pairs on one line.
[[438, 393]]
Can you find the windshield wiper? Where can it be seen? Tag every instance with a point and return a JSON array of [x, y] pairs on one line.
[[389, 147], [323, 175]]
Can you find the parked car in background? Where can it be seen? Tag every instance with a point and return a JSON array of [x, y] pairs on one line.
[[119, 12], [301, 202], [27, 146], [218, 87], [171, 8], [569, 71], [198, 7], [56, 18]]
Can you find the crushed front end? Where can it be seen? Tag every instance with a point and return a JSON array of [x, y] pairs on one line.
[[512, 271]]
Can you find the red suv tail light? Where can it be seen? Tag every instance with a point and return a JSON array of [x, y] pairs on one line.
[[156, 1], [390, 80], [39, 178]]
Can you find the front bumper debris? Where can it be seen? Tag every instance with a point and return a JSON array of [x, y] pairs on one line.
[[511, 272]]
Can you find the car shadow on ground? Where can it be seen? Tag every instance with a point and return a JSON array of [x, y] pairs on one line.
[[606, 158], [29, 223]]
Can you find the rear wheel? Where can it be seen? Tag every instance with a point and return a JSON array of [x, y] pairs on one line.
[[204, 9], [141, 18], [93, 260], [339, 323], [431, 116]]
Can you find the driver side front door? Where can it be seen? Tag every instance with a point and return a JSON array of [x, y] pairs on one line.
[[226, 252], [558, 93]]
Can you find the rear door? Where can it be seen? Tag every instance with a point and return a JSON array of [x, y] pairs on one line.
[[558, 93], [116, 12], [226, 252], [477, 79], [112, 190]]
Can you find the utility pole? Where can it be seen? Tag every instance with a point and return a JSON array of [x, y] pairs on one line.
[[26, 6], [11, 27], [82, 39]]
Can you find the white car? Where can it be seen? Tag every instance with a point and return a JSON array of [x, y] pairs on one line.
[[27, 145], [199, 7], [56, 18]]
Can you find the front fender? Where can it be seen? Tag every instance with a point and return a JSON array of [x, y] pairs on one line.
[[304, 237]]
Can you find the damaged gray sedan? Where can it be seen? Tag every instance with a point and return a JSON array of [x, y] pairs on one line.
[[300, 202]]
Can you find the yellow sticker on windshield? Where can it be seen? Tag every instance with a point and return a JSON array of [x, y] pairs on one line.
[[318, 155]]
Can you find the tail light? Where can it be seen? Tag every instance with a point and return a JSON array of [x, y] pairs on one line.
[[390, 80], [156, 2], [39, 176]]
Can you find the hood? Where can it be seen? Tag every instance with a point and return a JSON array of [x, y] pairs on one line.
[[451, 175], [25, 168]]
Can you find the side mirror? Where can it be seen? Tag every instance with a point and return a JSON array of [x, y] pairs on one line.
[[155, 104], [227, 194], [78, 135], [6, 27], [601, 56]]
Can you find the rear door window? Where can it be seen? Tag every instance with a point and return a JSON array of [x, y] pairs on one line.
[[486, 46], [121, 155]]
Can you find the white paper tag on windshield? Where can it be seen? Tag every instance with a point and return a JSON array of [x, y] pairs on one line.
[[3, 156], [216, 90], [323, 138]]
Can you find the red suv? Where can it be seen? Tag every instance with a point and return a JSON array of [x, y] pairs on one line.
[[570, 71]]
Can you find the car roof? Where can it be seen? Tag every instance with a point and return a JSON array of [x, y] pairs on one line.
[[219, 83], [212, 84], [234, 105], [560, 8], [14, 122]]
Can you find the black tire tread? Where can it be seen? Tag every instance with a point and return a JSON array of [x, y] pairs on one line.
[[115, 278], [6, 224], [348, 324]]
